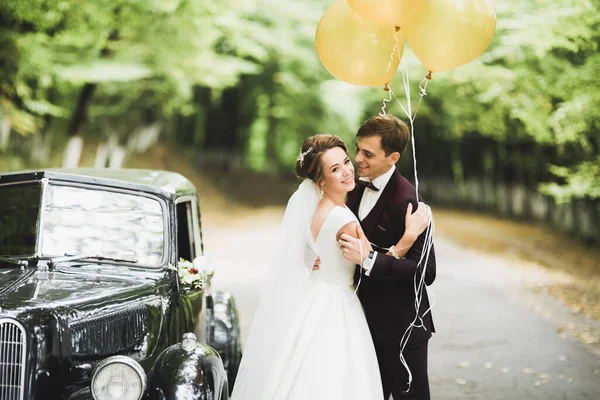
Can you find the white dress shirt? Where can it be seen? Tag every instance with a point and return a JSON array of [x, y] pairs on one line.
[[368, 201], [370, 196]]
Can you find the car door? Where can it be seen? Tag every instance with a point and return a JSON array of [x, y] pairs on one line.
[[189, 246]]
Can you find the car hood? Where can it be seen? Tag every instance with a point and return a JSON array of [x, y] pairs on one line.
[[70, 286], [79, 313]]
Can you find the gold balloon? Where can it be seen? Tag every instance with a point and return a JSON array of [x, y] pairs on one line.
[[448, 33], [355, 50], [386, 12]]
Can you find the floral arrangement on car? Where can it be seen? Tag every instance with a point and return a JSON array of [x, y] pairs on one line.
[[189, 276]]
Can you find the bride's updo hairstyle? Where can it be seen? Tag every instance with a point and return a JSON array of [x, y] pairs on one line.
[[308, 164]]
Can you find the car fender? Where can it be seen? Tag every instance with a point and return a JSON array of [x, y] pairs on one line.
[[188, 371], [223, 333]]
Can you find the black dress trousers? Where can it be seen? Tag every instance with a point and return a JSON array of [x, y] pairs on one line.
[[394, 376]]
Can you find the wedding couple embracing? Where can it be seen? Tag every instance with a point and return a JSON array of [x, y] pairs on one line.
[[342, 295]]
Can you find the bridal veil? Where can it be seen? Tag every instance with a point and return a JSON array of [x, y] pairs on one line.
[[291, 265]]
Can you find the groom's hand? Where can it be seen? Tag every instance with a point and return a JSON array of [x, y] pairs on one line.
[[355, 249], [415, 223]]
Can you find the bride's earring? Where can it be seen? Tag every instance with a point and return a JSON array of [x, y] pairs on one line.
[[322, 191]]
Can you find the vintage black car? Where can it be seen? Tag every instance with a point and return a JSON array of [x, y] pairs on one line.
[[90, 306]]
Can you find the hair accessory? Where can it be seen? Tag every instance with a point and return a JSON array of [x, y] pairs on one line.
[[302, 155]]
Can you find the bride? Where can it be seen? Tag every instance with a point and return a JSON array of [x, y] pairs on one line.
[[309, 338]]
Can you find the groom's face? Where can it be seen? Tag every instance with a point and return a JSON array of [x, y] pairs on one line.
[[370, 159]]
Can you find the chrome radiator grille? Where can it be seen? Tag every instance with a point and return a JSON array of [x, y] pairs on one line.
[[12, 359], [109, 334]]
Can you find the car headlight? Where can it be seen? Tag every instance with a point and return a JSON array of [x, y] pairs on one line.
[[118, 378]]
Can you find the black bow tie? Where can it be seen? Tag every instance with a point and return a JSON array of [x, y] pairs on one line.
[[368, 184]]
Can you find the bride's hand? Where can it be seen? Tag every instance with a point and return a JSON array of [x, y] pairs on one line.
[[355, 249], [416, 223], [317, 263]]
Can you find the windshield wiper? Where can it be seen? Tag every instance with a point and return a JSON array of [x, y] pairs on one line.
[[14, 261], [55, 260]]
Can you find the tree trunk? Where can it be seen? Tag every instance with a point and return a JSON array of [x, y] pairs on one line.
[[230, 111], [72, 152], [78, 122], [80, 115], [43, 152], [144, 137], [101, 156], [221, 131], [117, 157], [248, 110], [272, 156], [222, 123], [4, 133], [199, 118], [458, 172], [211, 122]]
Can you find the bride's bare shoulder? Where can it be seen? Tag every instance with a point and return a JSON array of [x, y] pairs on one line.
[[324, 208]]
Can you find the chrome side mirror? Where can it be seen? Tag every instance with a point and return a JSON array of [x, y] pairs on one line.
[[205, 265]]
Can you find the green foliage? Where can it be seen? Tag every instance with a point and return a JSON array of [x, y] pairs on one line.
[[582, 181], [176, 59], [20, 121], [537, 83]]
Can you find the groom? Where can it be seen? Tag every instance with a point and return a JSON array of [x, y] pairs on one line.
[[380, 201]]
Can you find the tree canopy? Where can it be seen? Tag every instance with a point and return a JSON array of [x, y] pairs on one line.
[[243, 77]]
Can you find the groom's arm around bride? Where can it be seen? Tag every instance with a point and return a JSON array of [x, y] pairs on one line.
[[404, 256]]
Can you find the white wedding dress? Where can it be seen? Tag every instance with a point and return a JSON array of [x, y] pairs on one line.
[[325, 350]]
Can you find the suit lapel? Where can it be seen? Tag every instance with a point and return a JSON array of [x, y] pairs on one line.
[[370, 221]]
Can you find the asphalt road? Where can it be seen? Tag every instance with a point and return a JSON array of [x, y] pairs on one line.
[[498, 335]]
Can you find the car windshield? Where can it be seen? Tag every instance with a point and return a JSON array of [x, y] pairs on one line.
[[19, 209], [78, 220]]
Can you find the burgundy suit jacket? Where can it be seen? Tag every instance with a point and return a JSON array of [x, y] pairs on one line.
[[388, 294]]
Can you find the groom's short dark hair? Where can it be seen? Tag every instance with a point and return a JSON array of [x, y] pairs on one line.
[[394, 133]]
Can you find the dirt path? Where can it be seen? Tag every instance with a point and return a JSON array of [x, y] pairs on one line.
[[579, 286]]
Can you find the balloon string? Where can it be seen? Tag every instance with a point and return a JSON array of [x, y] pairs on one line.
[[409, 114], [401, 105], [412, 133], [419, 289], [406, 83], [419, 281], [394, 50], [385, 101], [422, 92], [389, 66]]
